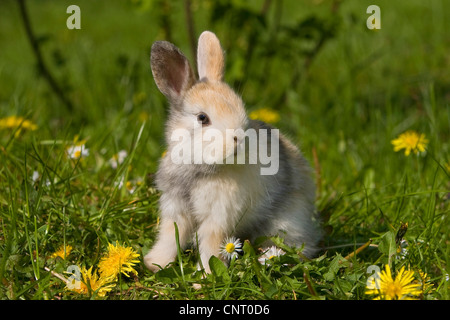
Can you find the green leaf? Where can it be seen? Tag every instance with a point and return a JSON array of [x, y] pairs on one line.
[[219, 269], [387, 244], [168, 275], [248, 249], [337, 263]]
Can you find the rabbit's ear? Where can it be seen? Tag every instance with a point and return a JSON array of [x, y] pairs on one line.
[[171, 70], [210, 57]]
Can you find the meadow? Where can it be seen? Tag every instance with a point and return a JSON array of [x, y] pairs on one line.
[[77, 167]]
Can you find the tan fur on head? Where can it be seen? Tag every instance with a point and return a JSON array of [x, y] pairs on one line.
[[218, 98], [210, 57]]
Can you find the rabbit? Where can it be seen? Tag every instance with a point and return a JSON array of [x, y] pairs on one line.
[[210, 201]]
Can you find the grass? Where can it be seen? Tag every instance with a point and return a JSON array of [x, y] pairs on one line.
[[360, 92]]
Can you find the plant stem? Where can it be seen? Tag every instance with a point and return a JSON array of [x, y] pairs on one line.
[[190, 27], [37, 53]]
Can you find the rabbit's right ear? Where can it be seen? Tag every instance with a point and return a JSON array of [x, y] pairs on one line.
[[171, 70]]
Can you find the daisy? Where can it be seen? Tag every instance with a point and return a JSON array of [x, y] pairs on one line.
[[402, 249], [269, 254], [265, 114], [133, 185], [231, 248], [118, 159], [119, 259], [400, 288], [77, 151], [35, 176], [410, 141]]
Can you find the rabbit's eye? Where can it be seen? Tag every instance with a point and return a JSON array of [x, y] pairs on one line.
[[203, 118]]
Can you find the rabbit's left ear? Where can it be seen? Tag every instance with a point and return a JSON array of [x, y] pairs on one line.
[[210, 57], [171, 70]]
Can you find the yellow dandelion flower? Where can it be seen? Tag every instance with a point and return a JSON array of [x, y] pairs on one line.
[[410, 141], [400, 288], [143, 116], [62, 252], [14, 122], [119, 259], [266, 115], [92, 281], [424, 281], [19, 123]]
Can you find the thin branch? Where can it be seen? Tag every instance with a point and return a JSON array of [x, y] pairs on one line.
[[37, 52], [354, 253], [57, 275]]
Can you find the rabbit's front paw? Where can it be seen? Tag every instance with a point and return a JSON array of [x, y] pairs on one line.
[[157, 258]]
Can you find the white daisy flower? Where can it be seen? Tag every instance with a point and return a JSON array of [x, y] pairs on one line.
[[269, 253], [231, 248], [118, 159], [402, 249], [77, 152], [133, 185], [35, 177]]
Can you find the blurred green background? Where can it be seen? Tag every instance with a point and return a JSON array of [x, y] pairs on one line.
[[332, 80]]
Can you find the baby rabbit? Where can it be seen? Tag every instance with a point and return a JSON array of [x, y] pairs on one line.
[[208, 198]]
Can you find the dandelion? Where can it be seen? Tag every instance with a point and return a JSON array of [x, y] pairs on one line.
[[143, 116], [410, 141], [118, 159], [77, 152], [62, 252], [231, 248], [119, 259], [400, 288], [266, 115], [92, 282], [14, 122], [19, 123], [424, 281], [269, 254]]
